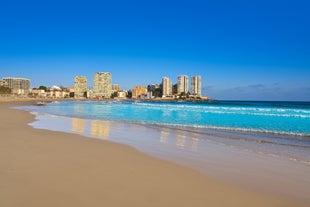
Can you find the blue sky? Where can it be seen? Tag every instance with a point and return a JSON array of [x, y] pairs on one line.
[[244, 50]]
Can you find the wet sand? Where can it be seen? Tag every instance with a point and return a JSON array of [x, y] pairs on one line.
[[46, 168], [255, 167]]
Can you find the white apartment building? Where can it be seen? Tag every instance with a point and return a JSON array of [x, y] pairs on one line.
[[20, 86], [182, 84], [80, 86], [196, 86], [102, 85], [167, 87]]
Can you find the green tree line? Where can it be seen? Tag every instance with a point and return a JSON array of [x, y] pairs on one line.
[[5, 90]]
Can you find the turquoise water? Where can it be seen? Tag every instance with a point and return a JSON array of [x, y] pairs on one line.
[[281, 118]]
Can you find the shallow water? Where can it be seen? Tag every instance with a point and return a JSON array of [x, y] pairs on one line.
[[286, 118]]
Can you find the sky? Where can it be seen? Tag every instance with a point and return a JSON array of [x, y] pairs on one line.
[[243, 49]]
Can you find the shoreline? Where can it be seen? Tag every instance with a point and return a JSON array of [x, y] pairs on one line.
[[216, 134], [245, 130], [47, 168], [230, 161]]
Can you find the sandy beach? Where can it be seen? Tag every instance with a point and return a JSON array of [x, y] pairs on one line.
[[46, 168]]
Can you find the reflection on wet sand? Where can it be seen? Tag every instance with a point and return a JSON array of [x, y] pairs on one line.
[[78, 125], [100, 129], [193, 143], [182, 139], [164, 136]]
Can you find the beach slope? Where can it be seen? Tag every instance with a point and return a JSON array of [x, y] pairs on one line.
[[46, 168]]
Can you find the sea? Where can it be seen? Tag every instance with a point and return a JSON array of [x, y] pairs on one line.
[[233, 141]]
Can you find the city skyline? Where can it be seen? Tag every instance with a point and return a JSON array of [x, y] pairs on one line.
[[103, 87], [257, 50]]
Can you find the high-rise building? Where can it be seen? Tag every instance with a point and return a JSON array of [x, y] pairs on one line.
[[182, 84], [196, 85], [102, 85], [80, 86], [19, 86], [167, 87]]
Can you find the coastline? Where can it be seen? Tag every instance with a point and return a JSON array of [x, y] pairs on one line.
[[47, 168], [223, 157]]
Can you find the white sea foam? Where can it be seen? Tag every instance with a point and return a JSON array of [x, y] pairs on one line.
[[230, 110]]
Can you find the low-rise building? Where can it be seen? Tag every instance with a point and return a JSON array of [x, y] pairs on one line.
[[57, 92], [115, 88], [138, 91], [3, 83], [149, 95], [122, 94], [38, 93]]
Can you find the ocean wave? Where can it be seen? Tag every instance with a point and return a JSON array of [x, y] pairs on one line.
[[233, 129], [259, 114], [229, 110]]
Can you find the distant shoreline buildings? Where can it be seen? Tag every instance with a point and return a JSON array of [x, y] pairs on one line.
[[166, 87], [80, 87], [196, 86], [139, 91], [183, 84], [20, 86], [102, 85], [104, 89]]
